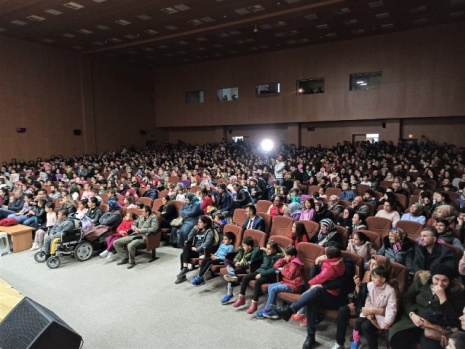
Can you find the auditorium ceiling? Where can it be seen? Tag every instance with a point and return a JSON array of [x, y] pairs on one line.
[[155, 33]]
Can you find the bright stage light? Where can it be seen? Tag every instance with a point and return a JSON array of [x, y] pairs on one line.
[[267, 145]]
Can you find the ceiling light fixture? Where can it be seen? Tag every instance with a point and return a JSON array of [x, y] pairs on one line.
[[255, 30]]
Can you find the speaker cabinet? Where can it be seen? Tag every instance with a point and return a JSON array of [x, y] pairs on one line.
[[30, 325], [77, 132]]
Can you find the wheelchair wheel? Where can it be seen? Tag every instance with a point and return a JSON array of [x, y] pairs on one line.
[[83, 251], [39, 256], [53, 262]]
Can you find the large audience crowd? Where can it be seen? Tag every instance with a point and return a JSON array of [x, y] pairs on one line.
[[339, 188]]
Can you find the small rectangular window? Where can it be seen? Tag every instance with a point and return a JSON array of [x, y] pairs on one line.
[[310, 86], [365, 81], [227, 94], [194, 97], [271, 88]]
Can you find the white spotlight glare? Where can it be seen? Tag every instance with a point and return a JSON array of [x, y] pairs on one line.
[[267, 145]]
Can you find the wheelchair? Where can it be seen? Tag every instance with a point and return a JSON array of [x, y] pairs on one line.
[[75, 243]]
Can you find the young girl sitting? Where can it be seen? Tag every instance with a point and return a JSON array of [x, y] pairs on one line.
[[246, 255], [298, 233], [360, 244], [456, 341], [291, 269], [50, 222], [121, 231], [263, 275], [227, 246], [379, 311]]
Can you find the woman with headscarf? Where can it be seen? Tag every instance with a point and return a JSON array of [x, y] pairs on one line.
[[415, 215], [294, 210], [397, 247], [108, 221], [435, 297], [322, 211], [190, 212], [327, 234]]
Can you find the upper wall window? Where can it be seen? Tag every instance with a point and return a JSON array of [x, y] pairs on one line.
[[194, 97], [228, 94], [365, 81], [271, 88], [310, 86]]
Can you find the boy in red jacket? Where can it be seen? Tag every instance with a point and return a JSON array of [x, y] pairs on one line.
[[331, 269], [291, 269]]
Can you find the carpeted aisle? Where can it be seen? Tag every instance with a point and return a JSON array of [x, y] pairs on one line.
[[112, 307]]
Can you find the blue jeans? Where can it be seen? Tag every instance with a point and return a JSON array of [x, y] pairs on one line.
[[5, 213], [273, 290]]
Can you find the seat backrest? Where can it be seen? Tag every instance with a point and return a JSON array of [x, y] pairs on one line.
[[173, 179], [104, 197], [146, 201], [379, 225], [385, 184], [311, 227], [282, 241], [345, 203], [134, 210], [312, 189], [375, 238], [141, 191], [103, 207], [362, 188], [307, 253], [457, 251], [263, 205], [333, 191], [267, 218], [371, 207], [156, 204], [178, 205], [357, 261], [345, 235], [413, 229], [400, 273], [258, 236], [239, 216], [237, 231], [402, 199], [281, 225]]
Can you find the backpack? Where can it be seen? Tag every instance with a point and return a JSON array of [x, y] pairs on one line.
[[217, 234]]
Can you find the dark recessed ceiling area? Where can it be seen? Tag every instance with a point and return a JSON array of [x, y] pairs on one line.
[[155, 33]]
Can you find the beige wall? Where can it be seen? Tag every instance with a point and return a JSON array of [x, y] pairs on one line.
[[50, 92], [423, 76]]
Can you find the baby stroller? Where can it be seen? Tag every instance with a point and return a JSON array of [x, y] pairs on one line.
[[78, 243]]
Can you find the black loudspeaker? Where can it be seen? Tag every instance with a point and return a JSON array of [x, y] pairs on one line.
[[383, 124], [30, 325], [142, 132], [77, 132]]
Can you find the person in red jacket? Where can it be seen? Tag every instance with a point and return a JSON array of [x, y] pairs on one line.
[[291, 269], [121, 231], [331, 269]]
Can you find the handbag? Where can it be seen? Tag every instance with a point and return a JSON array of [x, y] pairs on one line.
[[436, 332], [177, 222]]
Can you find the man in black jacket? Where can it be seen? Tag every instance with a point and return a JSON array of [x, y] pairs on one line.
[[253, 221], [243, 197], [14, 206], [429, 252]]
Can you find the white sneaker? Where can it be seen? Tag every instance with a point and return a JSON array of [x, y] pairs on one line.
[[35, 246], [337, 346], [104, 254], [110, 256]]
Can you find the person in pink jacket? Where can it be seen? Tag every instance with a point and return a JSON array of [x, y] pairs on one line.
[[291, 269], [379, 311]]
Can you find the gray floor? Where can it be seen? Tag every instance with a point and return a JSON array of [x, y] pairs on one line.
[[112, 307]]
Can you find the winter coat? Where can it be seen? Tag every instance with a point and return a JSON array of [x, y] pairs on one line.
[[382, 297], [292, 273], [124, 226], [247, 258], [419, 296], [331, 269], [201, 239], [267, 267], [111, 219], [365, 251], [147, 225], [403, 256], [440, 254], [450, 238]]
